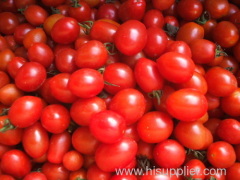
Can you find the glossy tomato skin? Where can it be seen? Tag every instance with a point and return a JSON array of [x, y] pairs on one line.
[[80, 13], [35, 15], [153, 18], [180, 47], [22, 164], [14, 65], [233, 172], [65, 30], [217, 8], [154, 127], [220, 82], [190, 31], [107, 126], [118, 76], [25, 111], [193, 135], [147, 75], [55, 171], [130, 103], [196, 166], [180, 104], [120, 154], [229, 131], [8, 22], [59, 144], [82, 110], [92, 54], [230, 104], [35, 140], [169, 154], [175, 67], [73, 160], [35, 176], [30, 76], [94, 172], [55, 118], [86, 83], [156, 42], [131, 37], [221, 154], [59, 88], [226, 34]]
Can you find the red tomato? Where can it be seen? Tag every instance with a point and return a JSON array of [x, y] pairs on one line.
[[118, 76], [220, 82], [193, 135], [226, 34], [55, 171], [154, 127], [92, 54], [35, 176], [30, 76], [8, 22], [14, 65], [119, 154], [195, 169], [175, 67], [107, 126], [94, 173], [35, 15], [179, 47], [6, 56], [162, 4], [65, 30], [22, 164], [189, 32], [131, 37], [35, 140], [72, 160], [82, 110], [180, 104], [80, 11], [217, 8], [86, 83], [107, 11], [59, 144], [25, 111], [221, 154], [55, 118], [233, 172], [59, 88], [8, 135], [41, 53], [169, 154], [132, 9], [130, 103], [229, 131], [33, 36], [83, 141], [153, 18], [20, 31], [156, 42]]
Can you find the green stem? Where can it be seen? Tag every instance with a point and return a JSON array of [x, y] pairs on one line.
[[203, 18], [7, 126], [75, 3], [156, 94], [110, 48], [219, 52]]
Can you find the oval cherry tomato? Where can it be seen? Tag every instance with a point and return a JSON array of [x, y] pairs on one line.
[[35, 140], [25, 111], [120, 154], [175, 67], [131, 37], [35, 14], [130, 103], [217, 8], [55, 171], [86, 83]]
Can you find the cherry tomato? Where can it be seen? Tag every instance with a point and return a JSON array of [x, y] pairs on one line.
[[73, 160], [8, 22], [195, 169], [35, 176], [22, 164], [30, 76], [6, 56], [120, 154], [118, 76], [179, 47], [131, 37], [220, 82], [229, 131], [92, 54], [130, 103], [55, 118], [154, 127], [25, 111], [175, 67], [86, 83], [34, 36], [55, 171], [94, 173], [217, 8], [233, 172], [65, 30], [80, 11], [169, 154], [35, 15], [153, 18], [221, 154], [193, 135]]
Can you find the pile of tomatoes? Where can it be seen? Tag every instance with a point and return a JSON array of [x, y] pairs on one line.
[[91, 88]]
